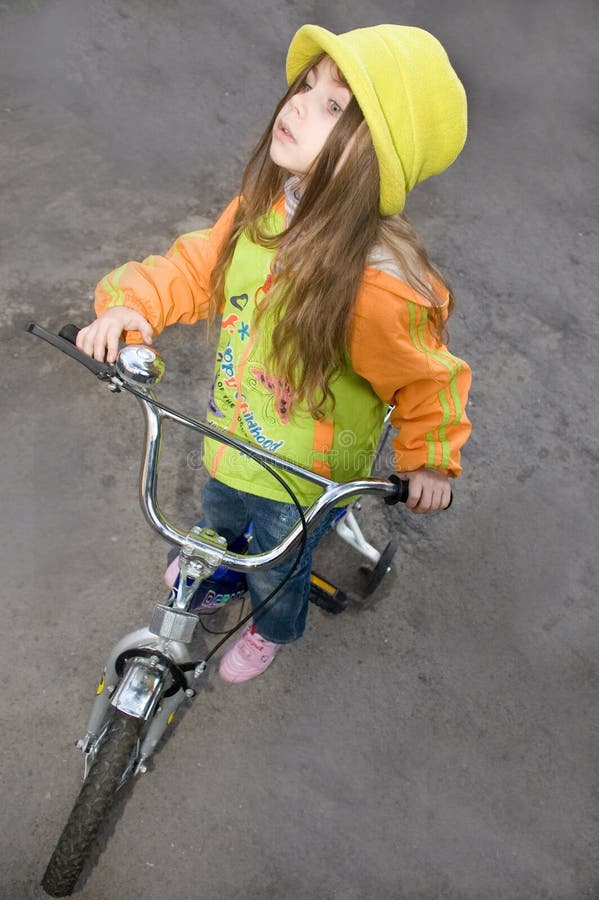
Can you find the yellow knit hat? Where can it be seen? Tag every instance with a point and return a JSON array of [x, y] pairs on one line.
[[412, 99]]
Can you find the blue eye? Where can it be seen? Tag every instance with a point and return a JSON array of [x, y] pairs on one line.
[[334, 107]]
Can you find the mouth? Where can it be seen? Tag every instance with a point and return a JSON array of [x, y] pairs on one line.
[[283, 132]]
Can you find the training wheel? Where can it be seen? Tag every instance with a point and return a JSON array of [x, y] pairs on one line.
[[376, 575]]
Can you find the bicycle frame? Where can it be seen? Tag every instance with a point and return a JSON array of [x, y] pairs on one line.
[[136, 676]]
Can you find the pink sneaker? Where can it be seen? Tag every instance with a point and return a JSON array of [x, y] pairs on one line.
[[172, 570], [249, 656]]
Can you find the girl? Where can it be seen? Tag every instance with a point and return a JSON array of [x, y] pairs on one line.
[[330, 308]]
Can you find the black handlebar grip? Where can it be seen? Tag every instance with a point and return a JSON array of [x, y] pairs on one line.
[[403, 491], [69, 333], [104, 371]]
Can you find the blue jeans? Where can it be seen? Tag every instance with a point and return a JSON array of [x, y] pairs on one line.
[[228, 512]]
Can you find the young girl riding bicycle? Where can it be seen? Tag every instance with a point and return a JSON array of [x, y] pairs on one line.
[[330, 310]]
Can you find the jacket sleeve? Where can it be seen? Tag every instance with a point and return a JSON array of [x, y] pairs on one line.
[[171, 288], [392, 346]]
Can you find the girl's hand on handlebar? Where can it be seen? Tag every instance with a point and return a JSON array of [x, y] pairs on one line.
[[101, 338], [429, 490]]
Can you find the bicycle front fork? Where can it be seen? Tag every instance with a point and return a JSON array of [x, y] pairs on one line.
[[134, 679]]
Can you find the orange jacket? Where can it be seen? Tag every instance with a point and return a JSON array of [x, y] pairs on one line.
[[391, 345]]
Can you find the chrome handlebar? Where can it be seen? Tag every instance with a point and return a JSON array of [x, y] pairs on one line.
[[137, 369], [333, 493]]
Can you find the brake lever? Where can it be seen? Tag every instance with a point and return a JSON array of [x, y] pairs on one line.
[[65, 341]]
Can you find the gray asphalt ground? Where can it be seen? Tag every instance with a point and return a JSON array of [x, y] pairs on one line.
[[442, 744]]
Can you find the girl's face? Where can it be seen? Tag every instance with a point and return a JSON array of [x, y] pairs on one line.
[[308, 117]]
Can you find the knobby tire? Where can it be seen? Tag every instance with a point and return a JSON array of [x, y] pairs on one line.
[[91, 807]]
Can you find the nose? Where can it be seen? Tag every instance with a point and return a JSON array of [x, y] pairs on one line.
[[296, 103]]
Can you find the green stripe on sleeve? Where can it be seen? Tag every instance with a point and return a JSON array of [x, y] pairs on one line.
[[111, 285], [454, 366]]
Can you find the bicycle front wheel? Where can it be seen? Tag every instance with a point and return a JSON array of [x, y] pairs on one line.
[[113, 759]]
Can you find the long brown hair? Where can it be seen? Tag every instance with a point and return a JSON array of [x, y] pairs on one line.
[[322, 254]]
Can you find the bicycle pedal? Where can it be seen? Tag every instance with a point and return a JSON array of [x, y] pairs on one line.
[[325, 595]]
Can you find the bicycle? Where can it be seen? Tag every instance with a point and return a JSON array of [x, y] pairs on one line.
[[149, 672]]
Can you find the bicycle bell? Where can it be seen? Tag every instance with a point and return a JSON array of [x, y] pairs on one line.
[[139, 365]]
